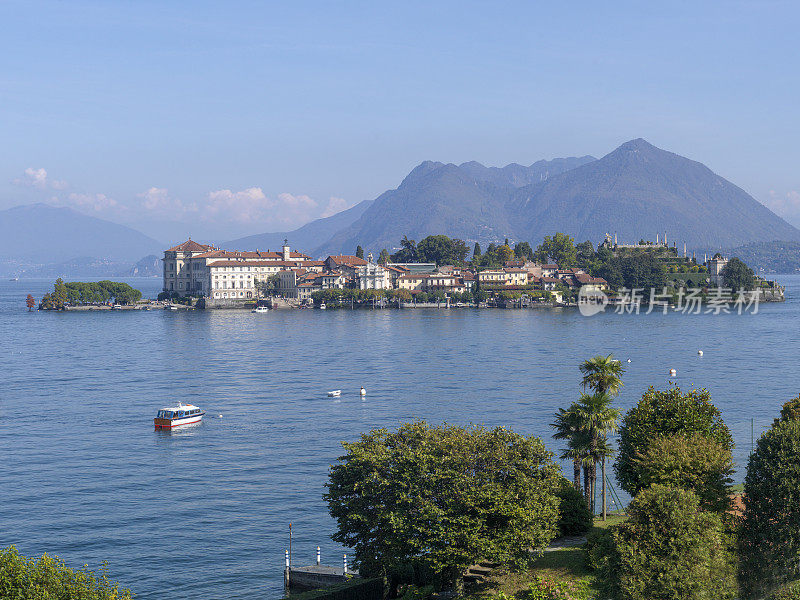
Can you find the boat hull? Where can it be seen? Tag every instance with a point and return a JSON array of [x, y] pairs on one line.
[[160, 423]]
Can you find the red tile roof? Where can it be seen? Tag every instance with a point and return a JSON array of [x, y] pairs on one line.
[[190, 246], [347, 259]]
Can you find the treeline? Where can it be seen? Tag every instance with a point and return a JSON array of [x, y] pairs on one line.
[[633, 268], [93, 292]]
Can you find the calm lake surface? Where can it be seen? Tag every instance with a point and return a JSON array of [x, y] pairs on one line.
[[204, 513]]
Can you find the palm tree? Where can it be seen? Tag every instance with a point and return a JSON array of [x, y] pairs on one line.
[[596, 418], [566, 426], [602, 374]]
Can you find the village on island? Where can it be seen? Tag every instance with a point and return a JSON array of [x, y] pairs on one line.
[[201, 275], [438, 271]]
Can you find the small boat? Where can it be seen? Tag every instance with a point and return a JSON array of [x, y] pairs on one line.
[[260, 309], [172, 307], [363, 392], [183, 414], [334, 393], [14, 279], [322, 306]]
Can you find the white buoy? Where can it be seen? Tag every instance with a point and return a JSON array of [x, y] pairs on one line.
[[363, 391], [700, 353], [629, 360], [220, 416], [673, 372]]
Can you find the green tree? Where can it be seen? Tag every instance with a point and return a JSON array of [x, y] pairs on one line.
[[669, 549], [665, 413], [737, 275], [560, 248], [523, 251], [407, 252], [476, 251], [584, 254], [574, 515], [769, 536], [359, 251], [440, 497], [691, 462], [603, 374], [567, 427], [442, 250], [30, 302], [504, 254], [384, 257], [48, 577]]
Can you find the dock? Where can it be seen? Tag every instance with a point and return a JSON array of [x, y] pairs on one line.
[[316, 576]]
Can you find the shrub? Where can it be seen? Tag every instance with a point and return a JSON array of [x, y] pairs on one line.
[[441, 497], [669, 548], [790, 591], [552, 589], [598, 548], [791, 410], [769, 537], [665, 413], [574, 516], [22, 578], [692, 462]]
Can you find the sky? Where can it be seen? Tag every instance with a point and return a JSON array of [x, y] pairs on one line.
[[223, 119]]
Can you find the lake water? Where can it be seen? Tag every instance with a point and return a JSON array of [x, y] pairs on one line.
[[203, 513]]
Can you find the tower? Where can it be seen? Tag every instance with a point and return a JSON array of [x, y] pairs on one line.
[[287, 255]]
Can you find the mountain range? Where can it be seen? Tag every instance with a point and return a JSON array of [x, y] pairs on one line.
[[636, 191]]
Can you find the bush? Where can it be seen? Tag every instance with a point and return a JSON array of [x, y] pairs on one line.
[[442, 497], [49, 577], [692, 462], [574, 516], [791, 410], [598, 547], [769, 537], [669, 548], [790, 591], [553, 589], [665, 413]]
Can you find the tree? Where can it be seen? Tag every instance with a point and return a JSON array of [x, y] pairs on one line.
[[523, 251], [504, 253], [584, 254], [567, 428], [737, 275], [574, 515], [669, 549], [359, 251], [407, 252], [384, 257], [769, 536], [476, 251], [665, 413], [560, 248], [440, 497], [30, 302], [596, 419], [442, 250], [603, 374], [692, 462], [49, 577]]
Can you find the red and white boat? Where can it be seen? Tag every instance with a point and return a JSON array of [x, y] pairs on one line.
[[183, 414]]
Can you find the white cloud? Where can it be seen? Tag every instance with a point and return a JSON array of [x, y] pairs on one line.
[[37, 178], [335, 205], [94, 202], [787, 204], [33, 177]]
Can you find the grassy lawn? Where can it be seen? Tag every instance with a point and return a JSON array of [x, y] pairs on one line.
[[567, 564]]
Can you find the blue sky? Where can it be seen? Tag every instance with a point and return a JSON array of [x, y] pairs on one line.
[[220, 119]]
